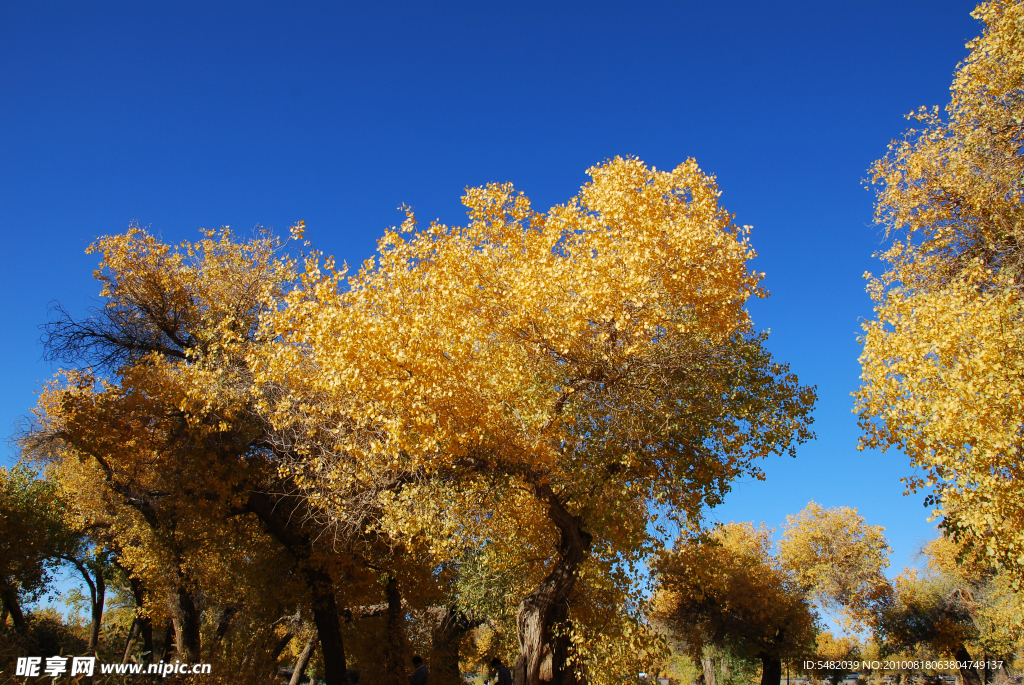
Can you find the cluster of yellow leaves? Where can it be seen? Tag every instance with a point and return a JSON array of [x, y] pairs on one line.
[[153, 453], [840, 651], [995, 607], [943, 361]]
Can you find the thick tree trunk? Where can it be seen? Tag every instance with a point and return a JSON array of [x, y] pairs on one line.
[[186, 620], [303, 660], [394, 636], [280, 524], [771, 670], [10, 599], [968, 673], [707, 664], [543, 654], [452, 625], [325, 616]]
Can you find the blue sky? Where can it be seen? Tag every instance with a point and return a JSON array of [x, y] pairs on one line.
[[188, 115]]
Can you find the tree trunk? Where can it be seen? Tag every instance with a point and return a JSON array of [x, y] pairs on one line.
[[133, 633], [708, 665], [145, 623], [325, 615], [969, 673], [394, 636], [281, 525], [186, 620], [303, 661], [447, 636], [165, 651], [1002, 676], [285, 640], [281, 644], [10, 599], [227, 615], [99, 597], [543, 654], [771, 670]]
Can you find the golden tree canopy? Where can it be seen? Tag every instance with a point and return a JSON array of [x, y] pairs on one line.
[[837, 558], [603, 347], [729, 590], [943, 360]]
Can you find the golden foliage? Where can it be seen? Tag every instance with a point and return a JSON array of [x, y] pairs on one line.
[[603, 346], [730, 591], [943, 363], [837, 558]]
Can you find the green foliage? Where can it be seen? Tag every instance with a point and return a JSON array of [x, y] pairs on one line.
[[32, 533]]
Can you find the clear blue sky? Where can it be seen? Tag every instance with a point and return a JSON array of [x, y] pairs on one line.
[[187, 115]]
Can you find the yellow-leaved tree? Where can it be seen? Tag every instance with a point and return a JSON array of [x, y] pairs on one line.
[[156, 429], [582, 368], [943, 358], [959, 608], [729, 591], [838, 558]]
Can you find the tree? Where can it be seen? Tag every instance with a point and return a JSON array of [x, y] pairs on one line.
[[943, 360], [837, 558], [159, 417], [33, 536], [838, 653], [728, 590], [597, 359], [957, 606]]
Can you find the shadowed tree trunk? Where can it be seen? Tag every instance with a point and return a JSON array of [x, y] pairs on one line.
[[282, 527], [225, 616], [328, 625], [10, 600], [285, 640], [144, 624], [303, 660], [186, 621], [133, 635], [968, 673], [165, 650], [543, 654], [394, 636], [771, 670], [97, 596], [452, 625], [293, 623]]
